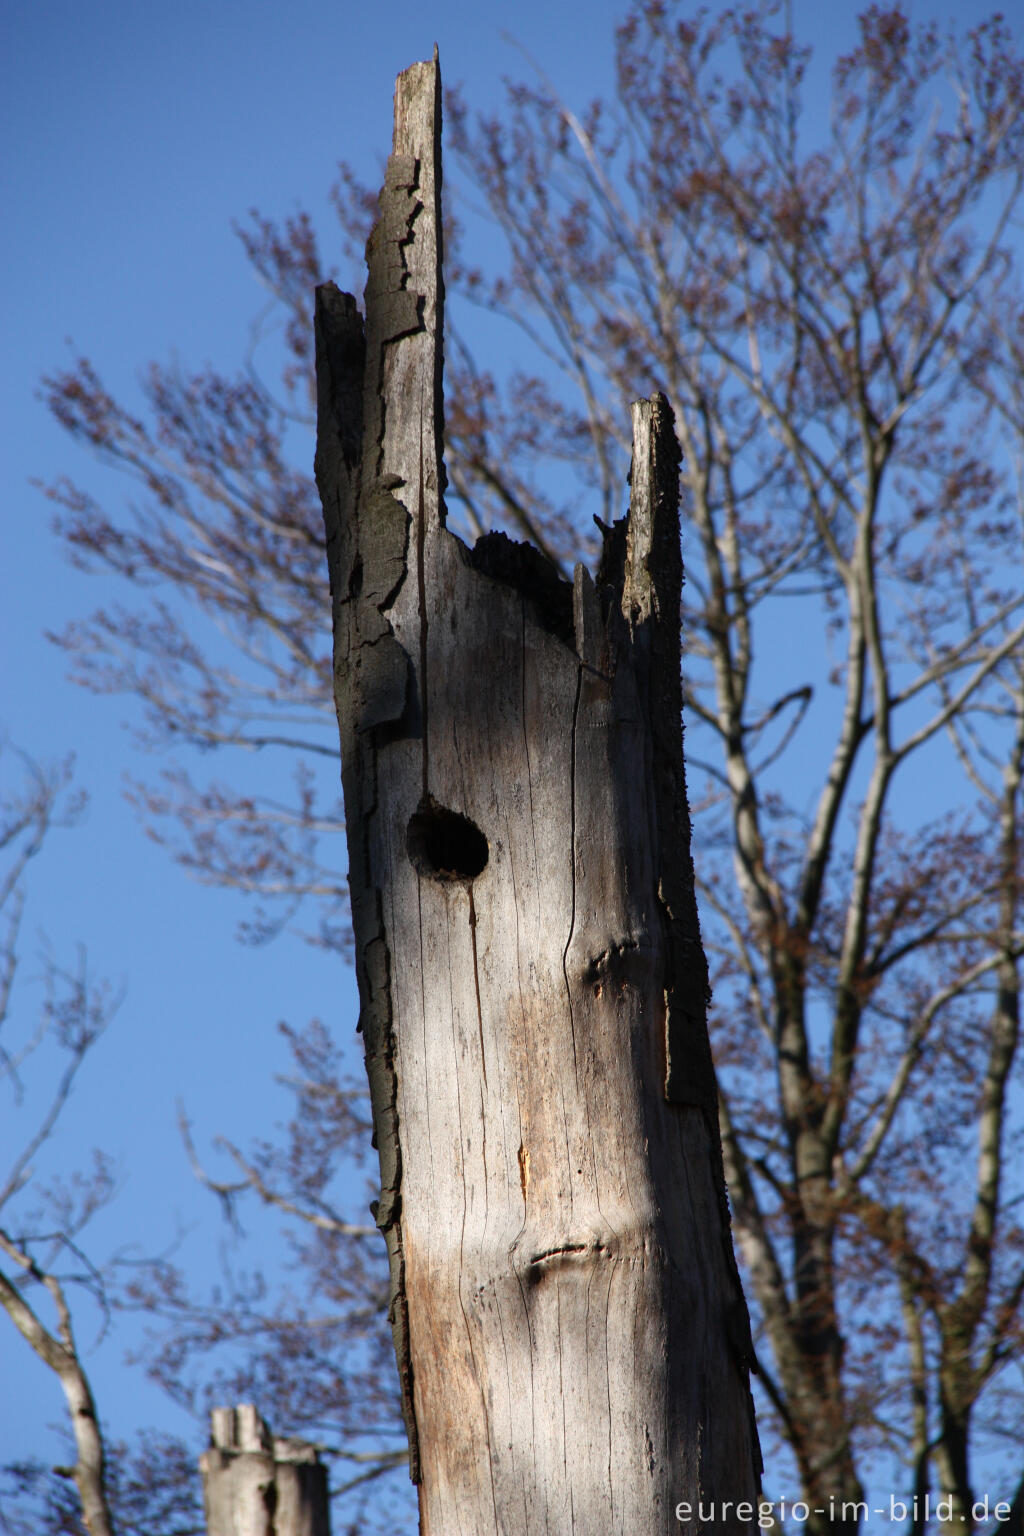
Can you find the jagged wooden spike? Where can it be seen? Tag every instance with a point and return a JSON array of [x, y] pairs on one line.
[[569, 1325]]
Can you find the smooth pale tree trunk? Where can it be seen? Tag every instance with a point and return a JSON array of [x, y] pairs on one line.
[[571, 1334], [59, 1351], [259, 1484]]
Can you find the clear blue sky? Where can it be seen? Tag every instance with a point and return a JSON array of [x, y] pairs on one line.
[[132, 134]]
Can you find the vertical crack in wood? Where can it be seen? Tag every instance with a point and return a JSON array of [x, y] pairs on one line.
[[476, 984], [421, 585], [572, 865]]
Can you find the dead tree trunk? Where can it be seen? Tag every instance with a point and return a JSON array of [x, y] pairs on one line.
[[571, 1334], [259, 1484]]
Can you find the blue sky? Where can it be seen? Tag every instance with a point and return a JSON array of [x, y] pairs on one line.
[[132, 134]]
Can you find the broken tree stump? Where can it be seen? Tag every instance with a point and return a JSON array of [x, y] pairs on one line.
[[570, 1330], [259, 1484]]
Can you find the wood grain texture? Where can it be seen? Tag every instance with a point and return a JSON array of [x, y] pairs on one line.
[[569, 1324]]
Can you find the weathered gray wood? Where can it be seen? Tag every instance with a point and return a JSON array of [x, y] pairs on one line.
[[570, 1329], [258, 1484]]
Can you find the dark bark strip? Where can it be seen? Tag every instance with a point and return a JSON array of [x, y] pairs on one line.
[[571, 1335]]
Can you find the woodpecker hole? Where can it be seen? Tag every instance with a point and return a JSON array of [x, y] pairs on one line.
[[444, 845]]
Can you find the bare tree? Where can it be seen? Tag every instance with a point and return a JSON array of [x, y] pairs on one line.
[[829, 328], [834, 313], [37, 1245]]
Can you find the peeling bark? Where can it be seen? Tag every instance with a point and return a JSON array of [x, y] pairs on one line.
[[570, 1330]]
